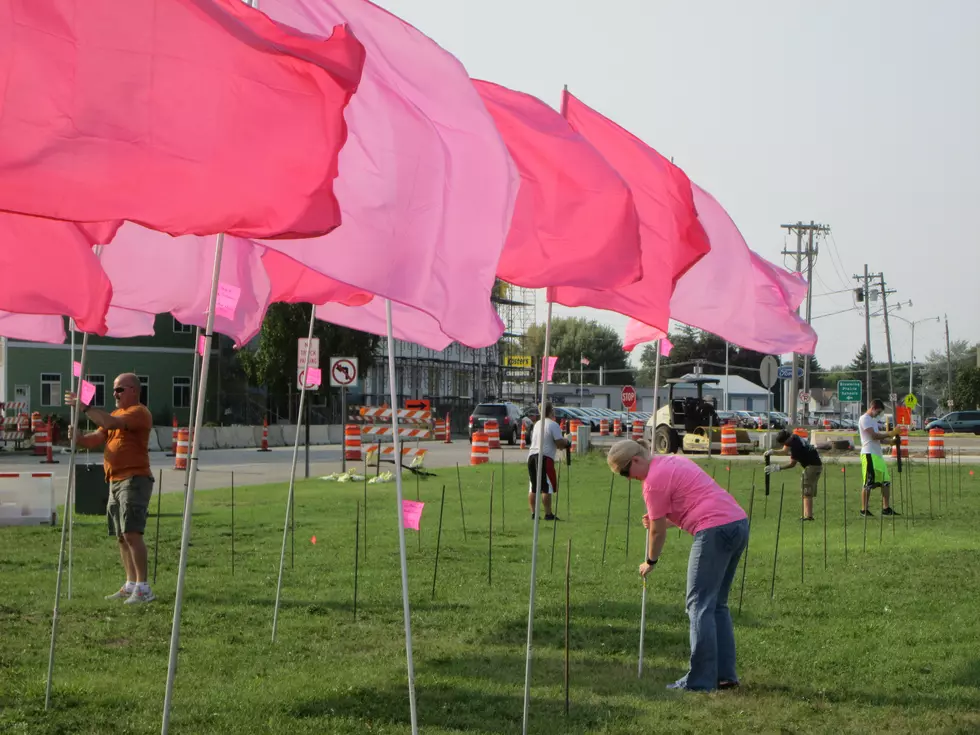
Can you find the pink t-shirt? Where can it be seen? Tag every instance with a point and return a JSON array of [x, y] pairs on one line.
[[680, 490]]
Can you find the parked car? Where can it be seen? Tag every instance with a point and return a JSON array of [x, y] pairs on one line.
[[507, 415], [778, 420], [967, 422], [761, 419], [746, 420]]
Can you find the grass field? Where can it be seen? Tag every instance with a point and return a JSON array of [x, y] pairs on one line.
[[886, 641]]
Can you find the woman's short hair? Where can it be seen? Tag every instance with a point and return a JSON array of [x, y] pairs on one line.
[[621, 454]]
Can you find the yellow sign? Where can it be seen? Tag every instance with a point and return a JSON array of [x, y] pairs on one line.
[[519, 361], [911, 401]]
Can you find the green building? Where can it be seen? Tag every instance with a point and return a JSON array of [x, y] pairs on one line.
[[38, 374]]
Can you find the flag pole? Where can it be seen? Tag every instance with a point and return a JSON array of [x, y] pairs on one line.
[[189, 500], [70, 506], [292, 473], [192, 427], [64, 529], [401, 521]]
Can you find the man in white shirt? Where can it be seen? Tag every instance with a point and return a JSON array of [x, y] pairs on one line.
[[553, 441], [874, 471]]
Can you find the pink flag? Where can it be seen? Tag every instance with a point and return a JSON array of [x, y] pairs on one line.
[[33, 327], [294, 283], [574, 216], [665, 347], [189, 116], [48, 267], [428, 186], [548, 369], [412, 513], [671, 236]]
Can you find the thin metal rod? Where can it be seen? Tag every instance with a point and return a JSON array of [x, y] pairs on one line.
[[233, 524], [462, 514], [490, 535], [643, 610], [70, 507], [745, 558], [64, 532], [192, 426], [435, 569], [156, 538], [537, 522], [775, 555], [185, 535], [605, 535], [357, 546], [568, 613], [292, 477]]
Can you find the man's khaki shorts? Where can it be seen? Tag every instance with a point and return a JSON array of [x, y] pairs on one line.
[[811, 476], [129, 505]]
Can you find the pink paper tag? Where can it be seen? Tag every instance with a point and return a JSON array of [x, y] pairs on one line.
[[76, 369], [201, 341], [87, 393], [227, 300], [313, 376], [412, 511]]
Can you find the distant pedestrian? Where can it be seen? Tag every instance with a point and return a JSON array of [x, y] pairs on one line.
[[678, 492], [546, 434], [873, 468], [806, 455], [126, 435]]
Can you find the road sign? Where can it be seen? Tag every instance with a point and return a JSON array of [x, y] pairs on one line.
[[629, 397], [343, 371], [849, 391], [949, 403], [769, 371], [519, 361], [785, 372], [804, 397], [911, 401], [311, 375], [314, 353], [903, 416], [892, 397]]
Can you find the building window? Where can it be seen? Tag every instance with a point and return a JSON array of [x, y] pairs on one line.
[[144, 389], [182, 392], [99, 382], [50, 389], [182, 328]]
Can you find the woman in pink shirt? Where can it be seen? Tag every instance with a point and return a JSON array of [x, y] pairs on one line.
[[678, 492]]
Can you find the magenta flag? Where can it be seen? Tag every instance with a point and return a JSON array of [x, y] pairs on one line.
[[548, 369], [48, 267], [294, 283], [32, 327], [412, 513], [672, 238], [574, 216], [408, 324], [187, 116], [427, 187], [665, 347]]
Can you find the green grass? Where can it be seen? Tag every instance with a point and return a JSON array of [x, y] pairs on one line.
[[884, 642]]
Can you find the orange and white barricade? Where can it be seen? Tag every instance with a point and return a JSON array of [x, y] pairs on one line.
[[937, 445], [903, 432], [449, 433], [637, 430], [604, 427], [729, 441], [573, 430], [388, 450], [801, 432], [617, 427], [36, 422], [173, 439], [265, 436], [492, 429], [183, 449], [42, 440], [479, 448], [352, 442], [523, 435]]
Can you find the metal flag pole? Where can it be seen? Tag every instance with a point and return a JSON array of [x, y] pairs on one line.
[[64, 531], [192, 426], [643, 609], [70, 506], [292, 474], [401, 522], [537, 521], [189, 500]]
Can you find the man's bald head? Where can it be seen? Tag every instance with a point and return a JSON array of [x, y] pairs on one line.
[[126, 390]]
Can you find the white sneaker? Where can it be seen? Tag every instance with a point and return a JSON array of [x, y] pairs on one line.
[[139, 596], [122, 594]]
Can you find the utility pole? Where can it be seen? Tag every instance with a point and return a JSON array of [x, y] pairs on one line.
[[865, 296], [811, 250], [949, 365], [888, 334]]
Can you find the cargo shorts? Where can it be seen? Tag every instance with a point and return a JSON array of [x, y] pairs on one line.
[[129, 505], [810, 479]]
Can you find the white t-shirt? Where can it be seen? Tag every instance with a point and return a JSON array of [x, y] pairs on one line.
[[868, 426], [552, 434]]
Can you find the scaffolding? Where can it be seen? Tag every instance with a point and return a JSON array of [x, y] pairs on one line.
[[516, 307]]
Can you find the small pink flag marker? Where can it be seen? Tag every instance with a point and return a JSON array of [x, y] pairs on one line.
[[412, 510]]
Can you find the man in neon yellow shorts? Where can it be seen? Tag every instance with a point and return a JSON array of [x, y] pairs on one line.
[[873, 468]]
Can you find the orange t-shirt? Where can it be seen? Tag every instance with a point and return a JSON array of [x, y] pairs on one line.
[[127, 451]]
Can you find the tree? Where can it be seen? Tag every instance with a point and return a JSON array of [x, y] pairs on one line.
[[574, 338], [690, 345], [857, 370], [934, 374], [273, 364], [966, 389]]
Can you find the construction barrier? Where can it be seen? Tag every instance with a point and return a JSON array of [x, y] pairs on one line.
[[49, 449], [27, 498], [173, 439], [183, 449], [904, 433], [480, 448], [389, 450], [352, 443], [408, 414], [802, 433], [937, 445], [617, 427], [603, 427], [42, 440], [36, 422], [492, 430], [573, 430], [449, 433], [523, 435], [729, 441], [637, 430], [265, 435]]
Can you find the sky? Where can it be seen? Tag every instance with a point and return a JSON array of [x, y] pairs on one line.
[[863, 116]]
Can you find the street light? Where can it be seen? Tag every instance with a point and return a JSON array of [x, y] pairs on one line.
[[912, 350]]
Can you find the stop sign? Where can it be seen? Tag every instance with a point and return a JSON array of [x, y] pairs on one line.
[[629, 397]]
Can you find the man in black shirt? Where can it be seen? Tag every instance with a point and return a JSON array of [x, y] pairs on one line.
[[802, 452]]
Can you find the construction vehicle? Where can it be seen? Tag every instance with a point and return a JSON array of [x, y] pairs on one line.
[[690, 424]]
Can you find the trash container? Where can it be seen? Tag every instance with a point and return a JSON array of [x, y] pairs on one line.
[[91, 490]]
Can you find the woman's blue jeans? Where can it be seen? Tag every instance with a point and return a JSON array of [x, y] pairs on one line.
[[710, 571]]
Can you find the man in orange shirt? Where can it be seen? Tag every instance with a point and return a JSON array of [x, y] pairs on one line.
[[126, 435]]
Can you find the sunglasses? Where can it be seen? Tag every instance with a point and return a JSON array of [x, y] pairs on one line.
[[117, 391]]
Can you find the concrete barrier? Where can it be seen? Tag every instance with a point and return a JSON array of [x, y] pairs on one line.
[[154, 442], [247, 437]]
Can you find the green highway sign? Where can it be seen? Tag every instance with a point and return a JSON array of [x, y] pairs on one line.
[[849, 391]]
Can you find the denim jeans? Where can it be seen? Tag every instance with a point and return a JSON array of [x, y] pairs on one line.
[[710, 571]]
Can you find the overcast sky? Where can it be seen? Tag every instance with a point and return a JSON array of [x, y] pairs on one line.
[[862, 115]]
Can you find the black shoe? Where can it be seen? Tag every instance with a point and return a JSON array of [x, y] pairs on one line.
[[867, 513], [889, 512], [532, 516], [552, 517]]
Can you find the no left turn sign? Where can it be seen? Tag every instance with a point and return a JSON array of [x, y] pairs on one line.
[[343, 371]]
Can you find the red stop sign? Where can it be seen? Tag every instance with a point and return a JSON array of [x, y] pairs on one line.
[[629, 397]]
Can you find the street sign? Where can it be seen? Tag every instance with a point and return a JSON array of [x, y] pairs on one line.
[[804, 397], [949, 403], [769, 371], [911, 401], [343, 371], [314, 353], [785, 372], [311, 375], [519, 361], [629, 397], [903, 416], [892, 397], [849, 391]]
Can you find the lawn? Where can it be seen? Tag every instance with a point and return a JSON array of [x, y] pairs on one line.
[[886, 641]]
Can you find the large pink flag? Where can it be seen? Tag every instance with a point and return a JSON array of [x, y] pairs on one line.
[[32, 327], [48, 267], [188, 116], [294, 283], [427, 186], [574, 222], [671, 235]]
